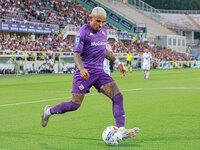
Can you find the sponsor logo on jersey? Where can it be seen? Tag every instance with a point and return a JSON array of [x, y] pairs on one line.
[[98, 43]]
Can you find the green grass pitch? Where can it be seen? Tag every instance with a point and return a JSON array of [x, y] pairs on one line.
[[166, 108]]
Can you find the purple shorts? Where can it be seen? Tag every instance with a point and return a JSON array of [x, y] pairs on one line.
[[96, 79]]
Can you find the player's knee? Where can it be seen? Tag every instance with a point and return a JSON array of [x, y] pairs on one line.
[[75, 106], [118, 98]]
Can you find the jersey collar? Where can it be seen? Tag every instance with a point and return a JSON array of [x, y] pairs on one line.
[[93, 31]]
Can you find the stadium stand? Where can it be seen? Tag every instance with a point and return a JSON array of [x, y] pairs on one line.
[[154, 28], [49, 12], [52, 43], [177, 21], [68, 13], [138, 47], [13, 42], [196, 18], [183, 22]]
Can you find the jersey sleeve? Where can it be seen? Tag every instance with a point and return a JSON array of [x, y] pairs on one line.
[[79, 41]]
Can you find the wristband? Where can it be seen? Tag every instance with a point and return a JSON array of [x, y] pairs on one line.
[[117, 62]]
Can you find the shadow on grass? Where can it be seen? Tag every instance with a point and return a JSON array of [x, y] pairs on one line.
[[23, 134], [171, 138], [98, 143]]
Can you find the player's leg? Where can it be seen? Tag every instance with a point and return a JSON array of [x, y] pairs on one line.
[[144, 70], [62, 108], [131, 68], [66, 106], [80, 87], [147, 75], [147, 71], [127, 62], [112, 91]]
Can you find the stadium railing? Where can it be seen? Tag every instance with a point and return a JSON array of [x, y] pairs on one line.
[[179, 11], [21, 61], [69, 30], [146, 9]]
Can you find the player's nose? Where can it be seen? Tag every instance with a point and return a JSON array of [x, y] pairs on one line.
[[101, 24]]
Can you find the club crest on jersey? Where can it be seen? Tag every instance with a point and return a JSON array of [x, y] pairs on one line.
[[77, 40], [81, 87], [91, 34]]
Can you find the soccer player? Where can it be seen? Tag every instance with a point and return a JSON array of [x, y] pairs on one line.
[[128, 61], [89, 54], [146, 63], [106, 61]]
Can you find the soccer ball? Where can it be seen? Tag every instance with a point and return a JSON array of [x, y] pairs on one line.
[[112, 135]]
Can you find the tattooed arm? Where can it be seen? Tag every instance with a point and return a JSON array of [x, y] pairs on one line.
[[111, 56], [78, 61], [83, 72]]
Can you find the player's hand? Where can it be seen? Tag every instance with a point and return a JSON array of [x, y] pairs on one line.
[[84, 74], [122, 70]]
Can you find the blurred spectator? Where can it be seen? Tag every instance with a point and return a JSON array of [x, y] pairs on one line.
[[42, 68], [7, 71], [31, 69], [52, 43], [65, 68]]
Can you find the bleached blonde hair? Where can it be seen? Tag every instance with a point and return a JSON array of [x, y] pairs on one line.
[[98, 11]]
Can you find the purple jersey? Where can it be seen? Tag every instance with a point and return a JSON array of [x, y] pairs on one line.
[[92, 46]]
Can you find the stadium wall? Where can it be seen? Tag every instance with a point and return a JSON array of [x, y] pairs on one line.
[[112, 17], [174, 42], [30, 27]]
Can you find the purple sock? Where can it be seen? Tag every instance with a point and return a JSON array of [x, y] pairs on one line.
[[64, 107], [118, 110]]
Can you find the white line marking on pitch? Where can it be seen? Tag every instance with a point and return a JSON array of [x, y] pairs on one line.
[[54, 99]]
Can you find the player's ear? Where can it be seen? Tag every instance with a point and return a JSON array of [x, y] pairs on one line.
[[90, 18]]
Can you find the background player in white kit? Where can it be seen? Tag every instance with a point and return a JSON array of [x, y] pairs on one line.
[[106, 63], [146, 63]]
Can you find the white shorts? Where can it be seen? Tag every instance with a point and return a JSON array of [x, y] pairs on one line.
[[146, 66], [107, 70]]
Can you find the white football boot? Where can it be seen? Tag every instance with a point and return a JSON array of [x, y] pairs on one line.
[[44, 117], [129, 133]]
